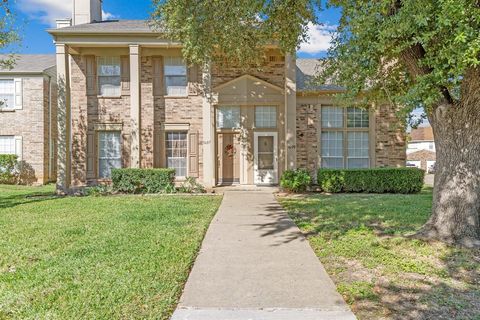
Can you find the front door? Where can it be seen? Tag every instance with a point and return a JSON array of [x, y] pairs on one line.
[[228, 159], [266, 162]]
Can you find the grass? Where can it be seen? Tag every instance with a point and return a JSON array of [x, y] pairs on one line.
[[382, 274], [118, 257]]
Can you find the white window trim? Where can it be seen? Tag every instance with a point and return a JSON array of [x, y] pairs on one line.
[[177, 130], [17, 97]]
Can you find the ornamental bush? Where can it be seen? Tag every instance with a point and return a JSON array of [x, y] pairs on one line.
[[295, 180], [379, 180], [8, 169], [130, 180]]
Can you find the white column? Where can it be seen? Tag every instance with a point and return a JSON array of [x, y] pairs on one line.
[[63, 119], [290, 112], [135, 106], [208, 142]]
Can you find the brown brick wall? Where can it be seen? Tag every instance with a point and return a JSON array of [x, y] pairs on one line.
[[90, 111], [390, 138], [272, 71], [32, 123]]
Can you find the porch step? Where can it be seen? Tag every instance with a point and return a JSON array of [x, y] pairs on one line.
[[270, 189]]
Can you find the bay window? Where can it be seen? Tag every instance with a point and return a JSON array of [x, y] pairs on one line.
[[175, 76], [109, 76], [345, 138]]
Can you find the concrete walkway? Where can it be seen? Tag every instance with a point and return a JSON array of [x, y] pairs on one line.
[[255, 264]]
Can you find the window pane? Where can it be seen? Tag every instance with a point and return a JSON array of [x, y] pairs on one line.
[[332, 117], [109, 86], [265, 117], [109, 66], [358, 150], [357, 118], [7, 145], [228, 117], [358, 144], [332, 149], [332, 163], [109, 153], [176, 85], [7, 93], [176, 150], [175, 71]]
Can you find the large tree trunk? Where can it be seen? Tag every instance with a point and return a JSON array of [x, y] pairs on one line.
[[455, 215]]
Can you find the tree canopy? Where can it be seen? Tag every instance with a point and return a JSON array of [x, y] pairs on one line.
[[8, 34], [414, 53], [236, 30]]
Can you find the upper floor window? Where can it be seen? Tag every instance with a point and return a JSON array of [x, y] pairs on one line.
[[11, 93], [109, 76], [175, 76], [345, 138], [228, 117], [265, 117]]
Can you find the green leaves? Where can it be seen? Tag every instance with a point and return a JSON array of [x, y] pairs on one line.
[[236, 31], [8, 34], [408, 52]]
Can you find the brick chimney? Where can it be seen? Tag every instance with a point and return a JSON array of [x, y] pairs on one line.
[[86, 11]]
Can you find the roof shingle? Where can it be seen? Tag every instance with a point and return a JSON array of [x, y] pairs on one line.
[[30, 63]]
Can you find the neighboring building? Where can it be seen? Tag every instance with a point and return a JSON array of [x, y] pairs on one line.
[[131, 101], [28, 126], [421, 148]]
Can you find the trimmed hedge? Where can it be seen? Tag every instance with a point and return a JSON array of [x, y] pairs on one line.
[[379, 180], [130, 180], [8, 166], [295, 180]]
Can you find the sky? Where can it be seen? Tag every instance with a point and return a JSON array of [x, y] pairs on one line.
[[34, 17]]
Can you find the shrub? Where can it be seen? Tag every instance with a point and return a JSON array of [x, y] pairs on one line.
[[97, 191], [143, 180], [8, 169], [295, 180], [379, 180], [190, 185]]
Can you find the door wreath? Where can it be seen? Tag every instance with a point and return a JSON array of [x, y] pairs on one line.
[[230, 151]]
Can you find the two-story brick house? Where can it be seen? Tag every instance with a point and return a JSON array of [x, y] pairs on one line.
[[127, 99], [28, 126]]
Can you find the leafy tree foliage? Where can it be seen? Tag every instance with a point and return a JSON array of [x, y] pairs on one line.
[[235, 30], [8, 34]]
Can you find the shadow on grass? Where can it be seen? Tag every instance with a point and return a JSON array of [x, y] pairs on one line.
[[361, 240], [13, 200]]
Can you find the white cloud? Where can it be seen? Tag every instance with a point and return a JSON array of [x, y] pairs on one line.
[[47, 11], [320, 38]]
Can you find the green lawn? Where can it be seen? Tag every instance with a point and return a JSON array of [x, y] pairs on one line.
[[118, 257], [361, 241]]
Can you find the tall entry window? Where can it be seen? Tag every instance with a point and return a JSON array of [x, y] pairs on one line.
[[109, 76], [109, 153], [345, 137], [176, 151]]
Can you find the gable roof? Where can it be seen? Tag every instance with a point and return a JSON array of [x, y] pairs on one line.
[[422, 134], [108, 26], [307, 71], [29, 63]]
